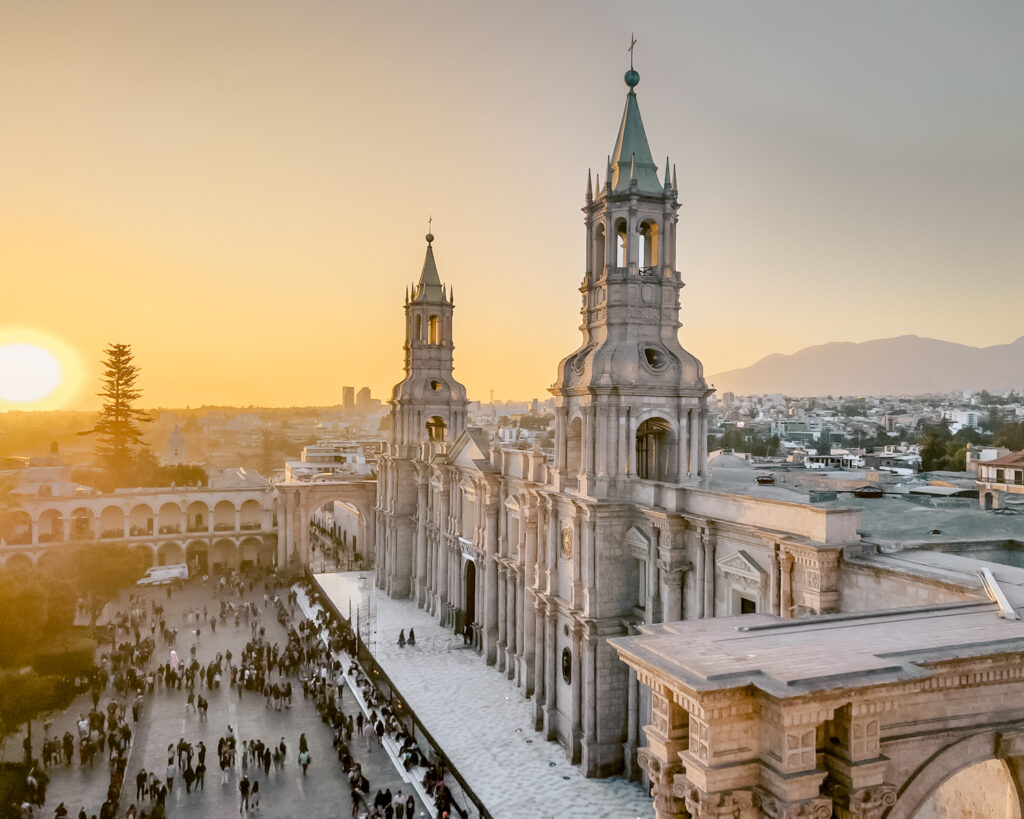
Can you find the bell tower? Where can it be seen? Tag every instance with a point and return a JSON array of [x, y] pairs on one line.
[[428, 404], [631, 403]]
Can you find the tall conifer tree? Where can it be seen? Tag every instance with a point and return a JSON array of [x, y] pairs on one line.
[[119, 426]]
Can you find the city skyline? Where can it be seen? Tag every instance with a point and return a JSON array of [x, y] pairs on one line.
[[217, 186]]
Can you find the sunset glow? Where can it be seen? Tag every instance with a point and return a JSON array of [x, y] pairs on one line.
[[240, 189]]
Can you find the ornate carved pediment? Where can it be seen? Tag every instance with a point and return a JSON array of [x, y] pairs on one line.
[[741, 569], [512, 504], [639, 543]]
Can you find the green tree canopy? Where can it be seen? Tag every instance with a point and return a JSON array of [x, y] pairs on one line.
[[97, 572], [119, 427]]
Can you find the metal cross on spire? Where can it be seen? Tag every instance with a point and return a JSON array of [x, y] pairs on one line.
[[632, 43]]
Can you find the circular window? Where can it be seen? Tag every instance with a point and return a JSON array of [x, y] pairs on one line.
[[567, 666], [435, 386]]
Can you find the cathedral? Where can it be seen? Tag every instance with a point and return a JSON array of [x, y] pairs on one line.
[[543, 558], [603, 576]]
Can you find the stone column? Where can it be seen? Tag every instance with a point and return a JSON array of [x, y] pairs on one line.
[[551, 662], [671, 592], [702, 450], [539, 662], [510, 624], [502, 643], [531, 522], [238, 519], [773, 582], [632, 721], [787, 585], [421, 541], [127, 529], [699, 578], [683, 440], [551, 552], [709, 576], [576, 734], [490, 620], [694, 424], [442, 548], [666, 737], [651, 614]]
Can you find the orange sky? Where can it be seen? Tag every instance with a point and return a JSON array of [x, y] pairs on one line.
[[240, 189]]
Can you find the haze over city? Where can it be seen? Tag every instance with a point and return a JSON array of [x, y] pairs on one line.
[[240, 190]]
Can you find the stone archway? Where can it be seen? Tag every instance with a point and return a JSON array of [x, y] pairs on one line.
[[965, 771], [298, 501]]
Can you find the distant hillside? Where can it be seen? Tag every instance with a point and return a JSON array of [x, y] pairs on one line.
[[884, 366]]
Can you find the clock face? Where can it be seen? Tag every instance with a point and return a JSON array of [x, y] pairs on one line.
[[567, 544]]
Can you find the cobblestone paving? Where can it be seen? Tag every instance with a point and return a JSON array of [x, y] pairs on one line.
[[478, 716], [322, 793]]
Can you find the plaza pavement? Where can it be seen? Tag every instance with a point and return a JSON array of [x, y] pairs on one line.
[[478, 717], [323, 792]]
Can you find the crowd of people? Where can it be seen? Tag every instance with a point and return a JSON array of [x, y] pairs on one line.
[[318, 654]]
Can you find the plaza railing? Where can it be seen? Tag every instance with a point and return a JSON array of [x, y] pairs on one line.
[[465, 802]]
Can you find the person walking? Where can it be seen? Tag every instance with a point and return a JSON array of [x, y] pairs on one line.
[[201, 775], [189, 775], [243, 790], [254, 795], [171, 770], [304, 760]]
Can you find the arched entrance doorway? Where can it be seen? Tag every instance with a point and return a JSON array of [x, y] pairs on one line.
[[469, 592]]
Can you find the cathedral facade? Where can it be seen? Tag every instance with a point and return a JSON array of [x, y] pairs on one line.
[[540, 558]]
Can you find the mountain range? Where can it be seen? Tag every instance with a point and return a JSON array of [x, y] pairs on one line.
[[905, 365]]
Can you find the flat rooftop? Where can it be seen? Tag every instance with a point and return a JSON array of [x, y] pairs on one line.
[[789, 658]]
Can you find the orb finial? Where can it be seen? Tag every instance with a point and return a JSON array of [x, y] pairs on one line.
[[632, 77], [430, 234]]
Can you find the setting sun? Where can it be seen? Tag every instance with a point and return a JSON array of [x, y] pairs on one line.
[[27, 373]]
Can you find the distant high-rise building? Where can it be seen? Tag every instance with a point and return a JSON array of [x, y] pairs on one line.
[[348, 398], [363, 400]]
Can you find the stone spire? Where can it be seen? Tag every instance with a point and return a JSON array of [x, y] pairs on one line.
[[632, 155], [429, 287]]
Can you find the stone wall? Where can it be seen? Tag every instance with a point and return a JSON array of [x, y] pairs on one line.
[[863, 588]]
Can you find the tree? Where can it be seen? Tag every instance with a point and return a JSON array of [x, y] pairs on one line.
[[22, 697], [933, 447], [97, 572], [119, 427]]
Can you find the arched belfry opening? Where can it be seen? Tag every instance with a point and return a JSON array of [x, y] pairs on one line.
[[437, 429], [434, 330], [573, 447], [648, 246], [599, 247], [621, 244], [654, 450]]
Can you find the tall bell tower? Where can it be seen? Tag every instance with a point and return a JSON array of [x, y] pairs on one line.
[[428, 404], [631, 403]]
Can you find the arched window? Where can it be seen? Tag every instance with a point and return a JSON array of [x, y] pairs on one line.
[[648, 246], [653, 450], [437, 429], [419, 328], [598, 255], [621, 244], [434, 325]]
